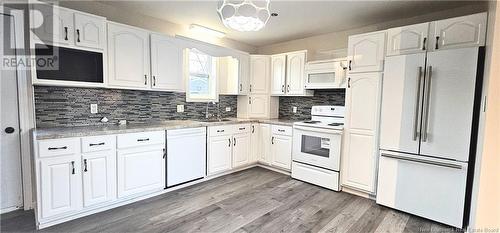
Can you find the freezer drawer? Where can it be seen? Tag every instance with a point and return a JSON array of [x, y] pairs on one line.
[[430, 188]]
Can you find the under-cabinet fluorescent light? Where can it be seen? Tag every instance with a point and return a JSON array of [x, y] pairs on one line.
[[207, 31]]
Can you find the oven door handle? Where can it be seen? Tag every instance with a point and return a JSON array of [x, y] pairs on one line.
[[313, 129]]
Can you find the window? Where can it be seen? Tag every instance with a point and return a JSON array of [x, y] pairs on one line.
[[201, 77]]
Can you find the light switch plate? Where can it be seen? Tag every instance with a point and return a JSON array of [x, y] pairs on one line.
[[93, 108], [180, 108], [228, 109], [294, 109]]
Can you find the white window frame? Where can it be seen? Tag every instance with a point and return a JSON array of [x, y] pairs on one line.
[[213, 96]]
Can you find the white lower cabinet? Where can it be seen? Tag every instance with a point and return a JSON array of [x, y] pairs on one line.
[[219, 154], [228, 147], [265, 143], [281, 147], [255, 143], [99, 177], [241, 149], [60, 185]]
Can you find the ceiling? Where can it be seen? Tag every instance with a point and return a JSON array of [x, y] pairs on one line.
[[296, 19]]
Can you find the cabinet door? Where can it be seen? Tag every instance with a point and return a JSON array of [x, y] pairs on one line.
[[407, 39], [459, 32], [244, 77], [361, 130], [99, 177], [140, 170], [259, 74], [281, 149], [255, 142], [128, 56], [60, 185], [219, 154], [241, 149], [258, 106], [265, 151], [53, 24], [89, 31], [278, 74], [166, 63], [366, 52], [295, 63]]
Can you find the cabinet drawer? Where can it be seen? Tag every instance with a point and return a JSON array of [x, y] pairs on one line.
[[243, 128], [55, 147], [140, 139], [220, 130], [98, 143], [282, 130]]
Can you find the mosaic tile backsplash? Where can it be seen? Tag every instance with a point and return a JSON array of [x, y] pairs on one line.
[[304, 104], [63, 106]]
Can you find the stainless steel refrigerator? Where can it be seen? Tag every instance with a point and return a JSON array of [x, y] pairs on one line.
[[428, 132]]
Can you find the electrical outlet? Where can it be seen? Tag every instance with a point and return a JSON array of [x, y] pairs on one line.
[[228, 109], [93, 108], [294, 109], [180, 108]]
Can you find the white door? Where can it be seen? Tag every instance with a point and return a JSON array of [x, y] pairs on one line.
[[219, 154], [10, 165], [140, 170], [241, 149], [128, 56], [278, 74], [459, 32], [295, 63], [258, 106], [265, 151], [281, 149], [166, 63], [360, 141], [89, 31], [186, 155], [53, 24], [408, 39], [61, 185], [449, 103], [255, 146], [366, 52], [401, 103], [99, 177], [259, 74]]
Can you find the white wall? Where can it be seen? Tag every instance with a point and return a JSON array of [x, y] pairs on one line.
[[338, 40]]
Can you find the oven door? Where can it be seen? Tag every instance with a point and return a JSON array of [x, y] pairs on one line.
[[316, 146]]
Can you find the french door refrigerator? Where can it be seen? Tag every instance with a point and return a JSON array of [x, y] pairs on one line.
[[427, 132]]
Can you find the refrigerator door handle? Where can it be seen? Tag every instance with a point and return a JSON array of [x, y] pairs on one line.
[[436, 163], [426, 105], [417, 104]]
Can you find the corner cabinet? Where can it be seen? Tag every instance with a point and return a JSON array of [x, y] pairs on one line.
[[128, 57], [359, 158], [166, 63], [366, 52], [265, 144]]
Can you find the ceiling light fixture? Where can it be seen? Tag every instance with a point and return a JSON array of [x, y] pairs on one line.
[[198, 29], [244, 15]]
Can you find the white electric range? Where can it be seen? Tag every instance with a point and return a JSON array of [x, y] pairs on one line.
[[316, 147]]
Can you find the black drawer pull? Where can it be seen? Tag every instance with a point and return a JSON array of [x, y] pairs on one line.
[[220, 130], [85, 165], [96, 144], [281, 130], [243, 128], [143, 139], [58, 148], [73, 167]]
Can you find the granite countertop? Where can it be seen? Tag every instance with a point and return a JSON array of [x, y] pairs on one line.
[[84, 131]]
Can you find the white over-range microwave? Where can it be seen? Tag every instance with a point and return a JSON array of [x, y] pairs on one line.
[[326, 74]]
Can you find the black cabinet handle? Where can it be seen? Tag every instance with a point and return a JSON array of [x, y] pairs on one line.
[[143, 139], [349, 83], [220, 130], [241, 87], [249, 100], [65, 33], [281, 130], [234, 144], [250, 87], [97, 144], [77, 35], [288, 88], [154, 80], [85, 165], [253, 128], [9, 130], [145, 80], [423, 43], [350, 64], [58, 148], [272, 140], [229, 142], [73, 167], [242, 128], [283, 88], [437, 42]]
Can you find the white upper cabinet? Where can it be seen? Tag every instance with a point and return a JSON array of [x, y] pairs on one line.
[[89, 31], [258, 106], [295, 64], [228, 72], [166, 63], [259, 74], [278, 74], [244, 77], [366, 52], [407, 39], [52, 24], [459, 32], [128, 56]]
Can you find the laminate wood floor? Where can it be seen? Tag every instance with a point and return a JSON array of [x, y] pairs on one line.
[[253, 200]]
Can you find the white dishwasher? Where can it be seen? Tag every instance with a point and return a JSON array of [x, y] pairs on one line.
[[186, 155]]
